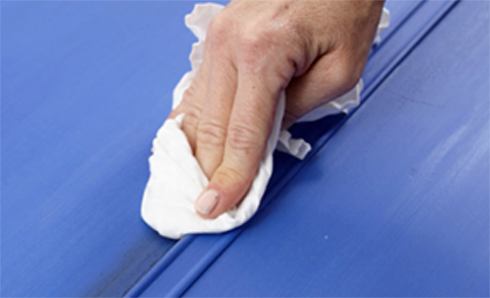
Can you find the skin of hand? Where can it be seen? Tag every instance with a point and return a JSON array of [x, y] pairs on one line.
[[316, 50]]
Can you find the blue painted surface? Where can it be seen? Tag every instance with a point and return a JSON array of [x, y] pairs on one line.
[[401, 189], [187, 266], [397, 202], [84, 87]]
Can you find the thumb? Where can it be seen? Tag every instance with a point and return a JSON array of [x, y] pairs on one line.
[[328, 78]]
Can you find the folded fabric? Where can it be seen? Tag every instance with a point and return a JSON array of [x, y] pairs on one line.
[[176, 178]]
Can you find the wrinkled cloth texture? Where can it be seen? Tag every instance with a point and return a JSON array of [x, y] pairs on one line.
[[176, 178]]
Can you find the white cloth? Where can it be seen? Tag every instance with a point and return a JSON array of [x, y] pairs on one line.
[[176, 178]]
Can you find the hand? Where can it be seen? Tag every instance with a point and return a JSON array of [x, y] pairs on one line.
[[315, 50]]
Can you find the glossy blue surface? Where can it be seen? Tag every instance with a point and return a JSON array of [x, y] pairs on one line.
[[84, 87], [396, 203], [393, 202]]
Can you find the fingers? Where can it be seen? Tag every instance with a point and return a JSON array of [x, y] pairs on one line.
[[194, 100], [187, 97], [212, 129], [208, 102], [221, 90], [248, 130]]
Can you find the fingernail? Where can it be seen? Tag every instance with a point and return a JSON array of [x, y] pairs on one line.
[[206, 203]]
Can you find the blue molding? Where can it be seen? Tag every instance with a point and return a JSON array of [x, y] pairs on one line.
[[159, 267]]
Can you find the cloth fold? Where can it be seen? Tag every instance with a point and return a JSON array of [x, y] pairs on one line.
[[176, 179]]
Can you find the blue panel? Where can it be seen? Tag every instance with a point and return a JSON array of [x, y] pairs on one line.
[[84, 87], [396, 202], [183, 269]]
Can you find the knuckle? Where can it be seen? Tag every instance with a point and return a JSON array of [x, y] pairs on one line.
[[188, 94], [254, 43], [254, 38], [192, 115], [260, 46], [211, 133], [232, 177], [219, 29], [243, 138]]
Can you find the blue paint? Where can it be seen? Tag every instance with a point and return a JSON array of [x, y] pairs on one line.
[[401, 190], [400, 187], [387, 56], [85, 86]]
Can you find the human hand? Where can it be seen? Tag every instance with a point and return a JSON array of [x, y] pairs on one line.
[[315, 50]]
